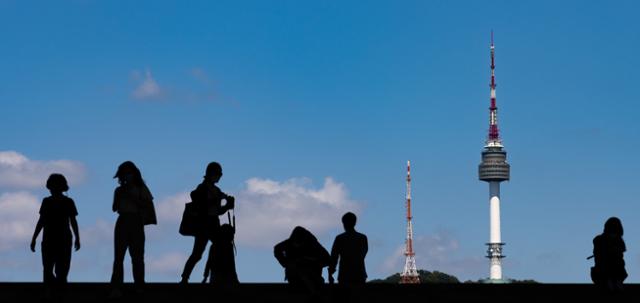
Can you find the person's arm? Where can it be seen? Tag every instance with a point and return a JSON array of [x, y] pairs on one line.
[[335, 255], [279, 253], [35, 234], [74, 227], [334, 260], [116, 200], [366, 246], [227, 206]]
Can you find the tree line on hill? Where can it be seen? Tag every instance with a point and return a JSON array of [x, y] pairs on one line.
[[431, 277]]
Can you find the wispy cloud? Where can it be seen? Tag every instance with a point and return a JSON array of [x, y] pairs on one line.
[[200, 75], [147, 88], [98, 234], [18, 171], [169, 264], [169, 209], [196, 85], [17, 219]]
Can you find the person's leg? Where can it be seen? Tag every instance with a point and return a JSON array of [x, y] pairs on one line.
[[199, 246], [63, 261], [136, 250], [208, 269], [120, 248], [48, 262]]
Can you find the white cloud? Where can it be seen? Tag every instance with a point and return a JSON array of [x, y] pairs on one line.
[[438, 251], [170, 209], [148, 88], [18, 217], [268, 210], [18, 171], [170, 263], [98, 234]]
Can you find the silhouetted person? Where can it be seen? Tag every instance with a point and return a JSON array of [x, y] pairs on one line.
[[207, 199], [350, 248], [57, 213], [221, 265], [303, 259], [134, 203], [608, 249]]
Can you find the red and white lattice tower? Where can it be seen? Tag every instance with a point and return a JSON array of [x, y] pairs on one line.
[[410, 273]]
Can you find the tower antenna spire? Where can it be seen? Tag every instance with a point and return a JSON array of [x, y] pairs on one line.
[[410, 272], [493, 139]]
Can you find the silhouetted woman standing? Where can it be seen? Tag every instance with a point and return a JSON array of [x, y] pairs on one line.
[[134, 203], [207, 198], [608, 249]]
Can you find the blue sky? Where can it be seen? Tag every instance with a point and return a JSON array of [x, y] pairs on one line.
[[313, 109]]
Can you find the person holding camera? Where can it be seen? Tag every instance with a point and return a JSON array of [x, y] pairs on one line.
[[207, 199]]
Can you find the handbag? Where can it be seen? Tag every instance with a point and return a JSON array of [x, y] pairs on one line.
[[189, 223]]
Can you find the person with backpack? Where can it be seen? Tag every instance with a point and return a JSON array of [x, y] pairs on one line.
[[207, 202], [609, 271], [57, 213]]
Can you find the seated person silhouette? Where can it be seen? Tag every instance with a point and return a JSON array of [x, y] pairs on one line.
[[303, 259], [57, 213], [608, 249], [221, 265], [350, 248]]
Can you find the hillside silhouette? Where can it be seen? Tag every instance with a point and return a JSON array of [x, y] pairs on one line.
[[426, 277]]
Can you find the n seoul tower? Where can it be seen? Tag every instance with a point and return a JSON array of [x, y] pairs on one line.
[[494, 169]]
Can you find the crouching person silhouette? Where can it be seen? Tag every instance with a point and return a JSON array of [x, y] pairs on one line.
[[608, 249], [221, 265], [303, 259], [57, 213]]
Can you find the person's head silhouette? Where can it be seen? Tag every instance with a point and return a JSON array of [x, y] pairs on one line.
[[613, 226], [349, 221], [301, 237], [57, 184], [213, 172], [128, 173]]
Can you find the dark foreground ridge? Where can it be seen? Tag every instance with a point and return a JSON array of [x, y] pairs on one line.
[[281, 293]]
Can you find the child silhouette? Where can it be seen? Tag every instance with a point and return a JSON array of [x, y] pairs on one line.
[[57, 213]]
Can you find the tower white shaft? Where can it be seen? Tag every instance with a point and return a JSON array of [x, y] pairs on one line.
[[495, 237]]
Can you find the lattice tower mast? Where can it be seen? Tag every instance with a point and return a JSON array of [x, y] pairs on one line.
[[410, 272]]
